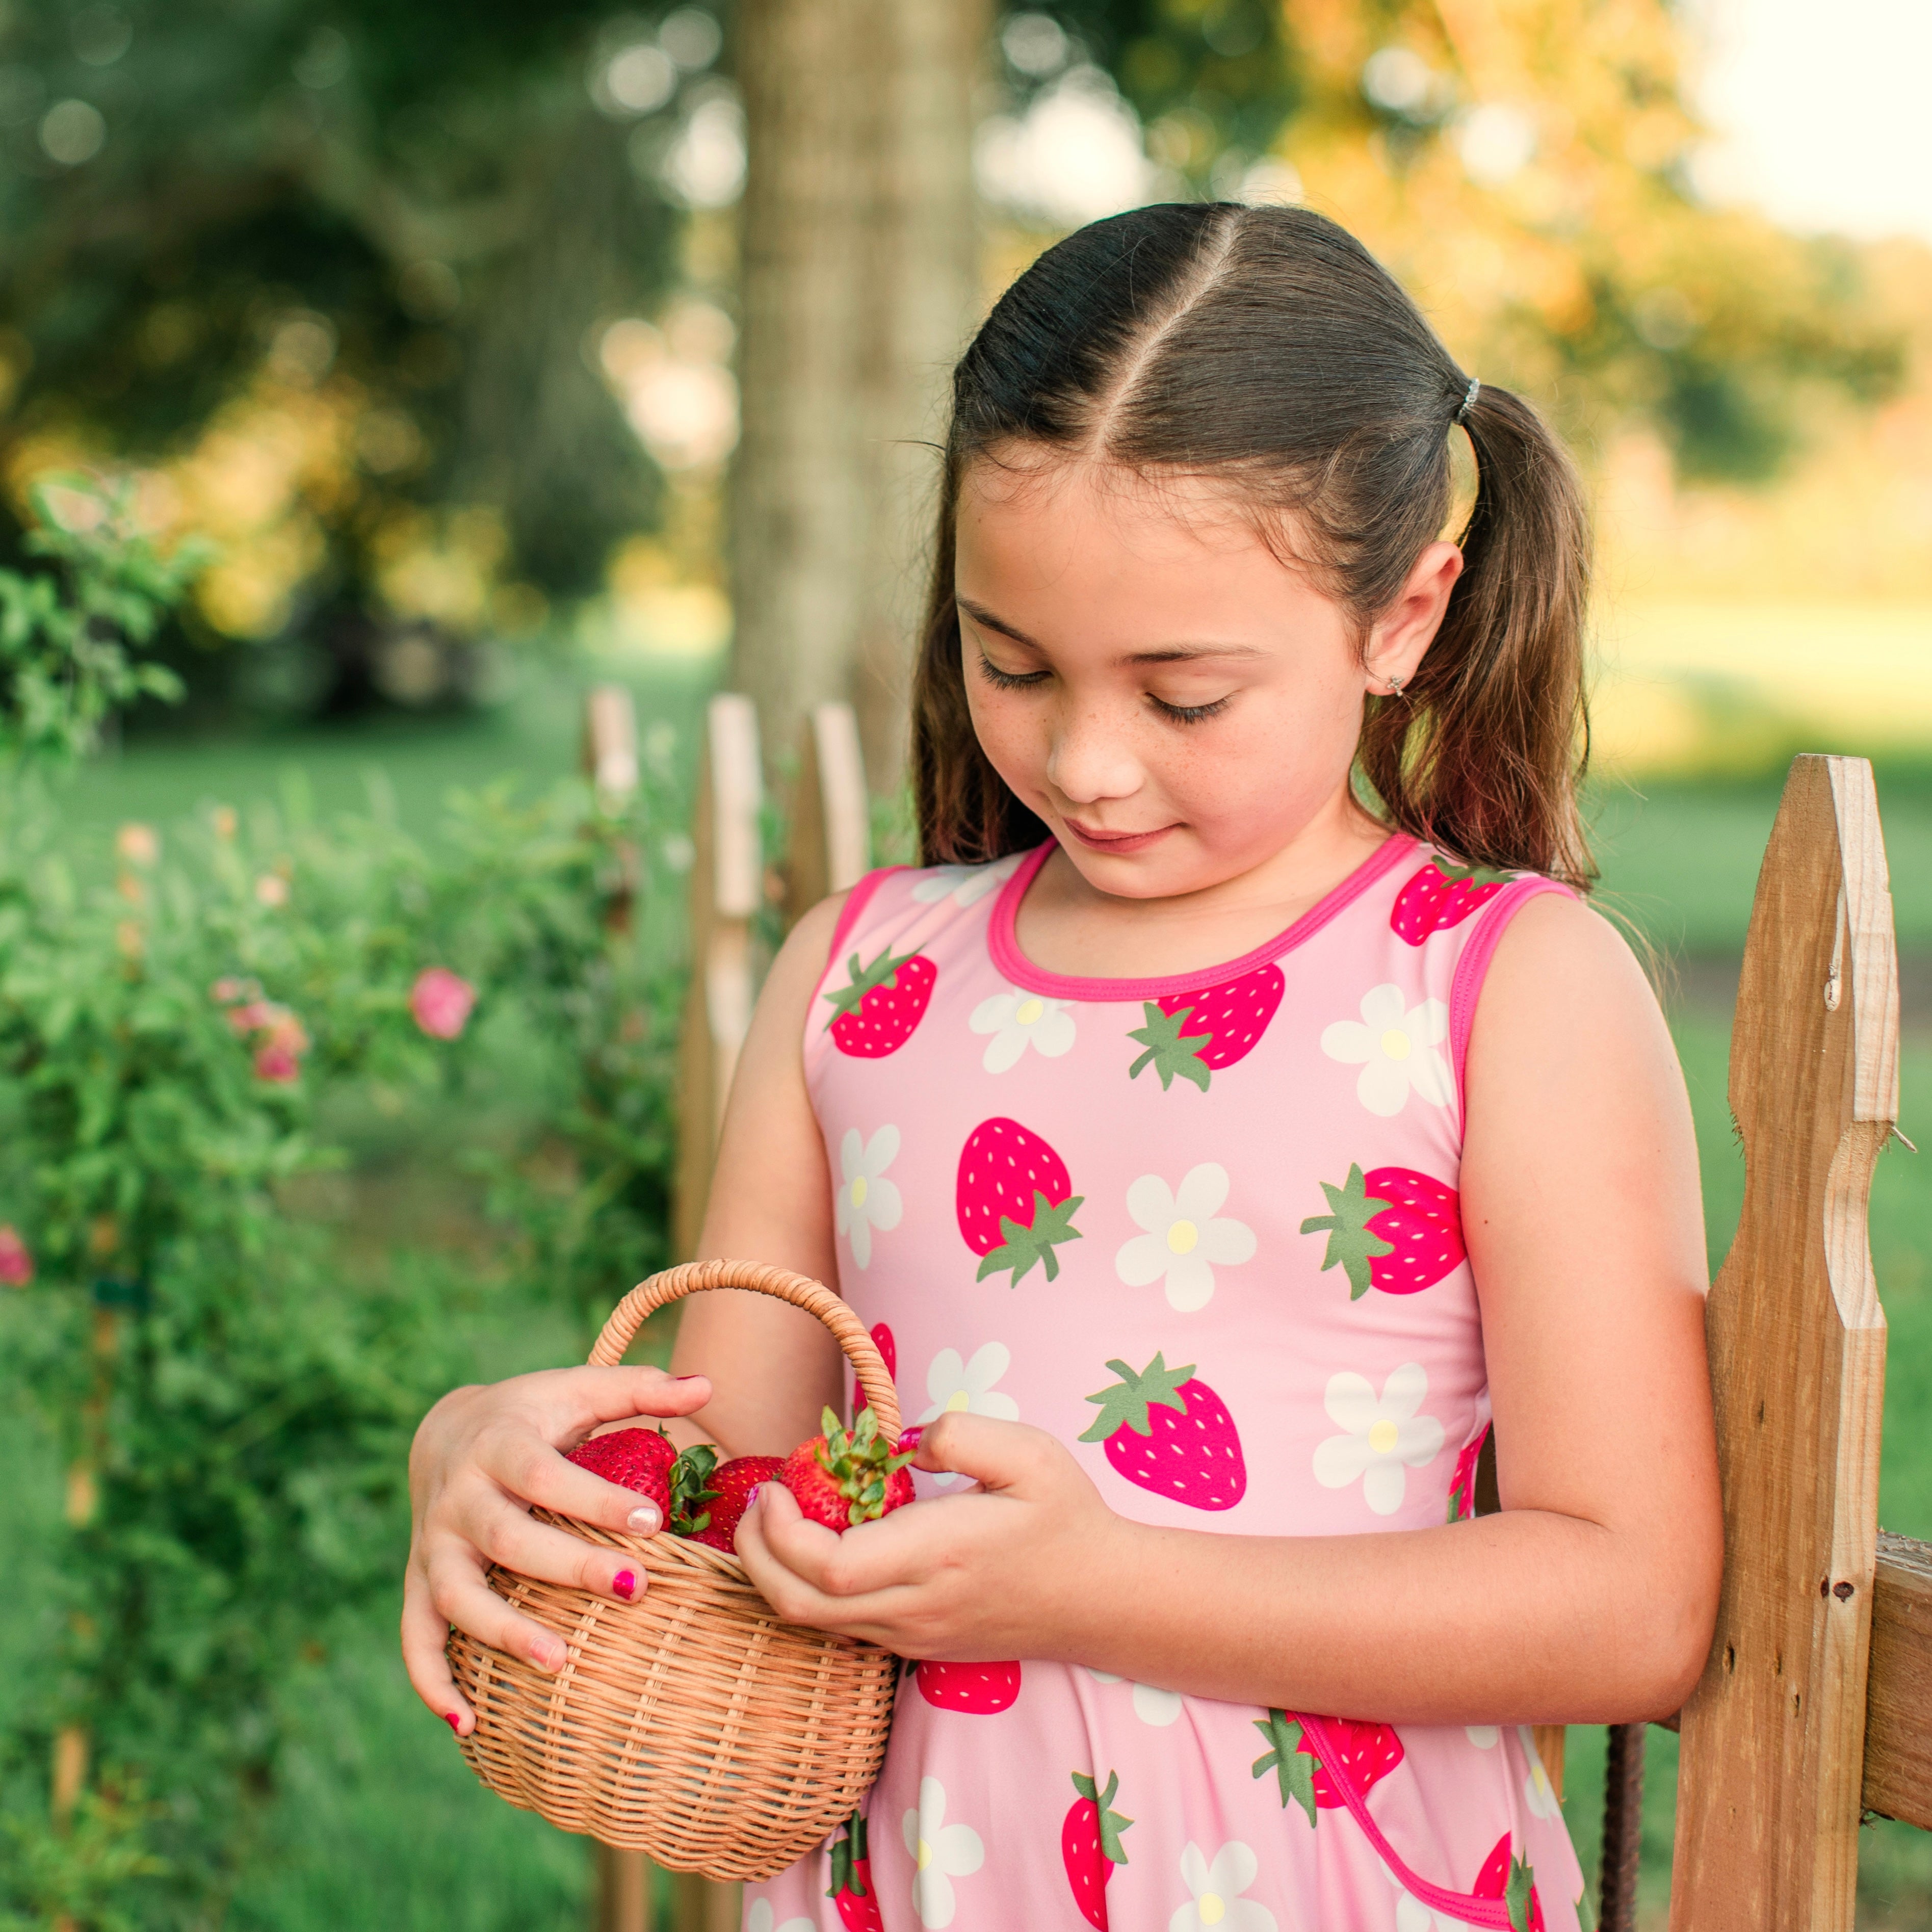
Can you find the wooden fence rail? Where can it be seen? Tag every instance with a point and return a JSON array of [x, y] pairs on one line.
[[1816, 1704]]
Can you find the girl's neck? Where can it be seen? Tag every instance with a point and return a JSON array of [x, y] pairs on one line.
[[1065, 925]]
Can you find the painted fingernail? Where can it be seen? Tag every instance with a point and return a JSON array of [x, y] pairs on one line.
[[455, 1722], [687, 1378], [909, 1438], [625, 1584], [751, 1501], [646, 1520]]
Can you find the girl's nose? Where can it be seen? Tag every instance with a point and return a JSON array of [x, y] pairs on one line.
[[1092, 758]]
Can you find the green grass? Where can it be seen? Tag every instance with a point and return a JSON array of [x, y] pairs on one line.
[[378, 1822]]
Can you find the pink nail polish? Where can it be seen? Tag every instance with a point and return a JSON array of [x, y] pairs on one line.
[[455, 1722], [625, 1584], [909, 1438], [687, 1378]]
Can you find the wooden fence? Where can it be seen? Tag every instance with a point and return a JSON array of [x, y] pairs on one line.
[[1815, 1707]]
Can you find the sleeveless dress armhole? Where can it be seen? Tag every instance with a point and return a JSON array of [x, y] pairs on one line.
[[1473, 968], [853, 909]]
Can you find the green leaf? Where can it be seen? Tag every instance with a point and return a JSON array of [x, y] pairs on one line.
[[1124, 1404], [1294, 1767], [1167, 1053], [1020, 1247], [1351, 1208]]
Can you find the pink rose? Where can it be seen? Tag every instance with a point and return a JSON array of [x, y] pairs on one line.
[[441, 1001], [16, 1264], [250, 1018], [277, 1063]]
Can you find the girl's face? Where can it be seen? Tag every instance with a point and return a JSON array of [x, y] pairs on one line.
[[1176, 703]]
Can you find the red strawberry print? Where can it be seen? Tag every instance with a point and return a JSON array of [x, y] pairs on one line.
[[1165, 1432], [1441, 895], [1463, 1482], [1089, 1845], [732, 1485], [1510, 1878], [980, 1688], [851, 1887], [635, 1459], [1369, 1752], [1392, 1228], [1015, 1200], [881, 1007], [1195, 1034], [888, 1348], [842, 1480]]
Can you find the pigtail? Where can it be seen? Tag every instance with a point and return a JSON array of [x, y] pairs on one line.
[[1484, 752]]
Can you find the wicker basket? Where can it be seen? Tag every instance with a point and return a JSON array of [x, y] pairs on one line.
[[692, 1724]]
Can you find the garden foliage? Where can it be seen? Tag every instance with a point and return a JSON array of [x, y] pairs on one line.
[[233, 1377]]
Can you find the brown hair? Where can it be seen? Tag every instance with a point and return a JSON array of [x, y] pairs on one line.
[[1265, 348]]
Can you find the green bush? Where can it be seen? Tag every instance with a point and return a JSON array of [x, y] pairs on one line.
[[234, 1381]]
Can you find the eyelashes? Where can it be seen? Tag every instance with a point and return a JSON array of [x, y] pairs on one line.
[[1177, 714]]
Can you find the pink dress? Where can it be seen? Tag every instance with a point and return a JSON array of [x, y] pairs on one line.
[[1204, 1229]]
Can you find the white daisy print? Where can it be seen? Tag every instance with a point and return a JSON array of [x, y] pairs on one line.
[[1018, 1021], [1397, 1047], [1153, 1705], [758, 1918], [1382, 1436], [1412, 1915], [1538, 1792], [1482, 1736], [956, 1385], [1186, 1236], [964, 884], [940, 1852], [866, 1198], [1214, 1886]]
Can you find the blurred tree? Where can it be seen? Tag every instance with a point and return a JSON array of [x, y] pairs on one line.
[[859, 286], [332, 271]]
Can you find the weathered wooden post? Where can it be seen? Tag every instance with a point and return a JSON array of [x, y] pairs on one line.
[[1774, 1735]]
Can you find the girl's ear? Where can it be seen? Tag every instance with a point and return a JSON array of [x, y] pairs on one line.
[[1398, 638]]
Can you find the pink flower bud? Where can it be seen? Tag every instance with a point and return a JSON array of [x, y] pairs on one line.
[[441, 1001], [16, 1264], [253, 1016], [277, 1064], [226, 992]]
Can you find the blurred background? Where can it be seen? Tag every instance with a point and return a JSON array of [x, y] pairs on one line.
[[496, 351]]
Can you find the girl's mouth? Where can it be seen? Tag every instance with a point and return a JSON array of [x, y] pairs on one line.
[[1115, 842]]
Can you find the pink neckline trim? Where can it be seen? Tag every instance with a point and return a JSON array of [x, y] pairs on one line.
[[1003, 941]]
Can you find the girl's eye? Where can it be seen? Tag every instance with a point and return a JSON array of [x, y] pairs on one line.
[[1008, 680], [1187, 714]]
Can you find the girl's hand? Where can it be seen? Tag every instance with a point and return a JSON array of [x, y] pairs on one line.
[[480, 1458], [1013, 1570]]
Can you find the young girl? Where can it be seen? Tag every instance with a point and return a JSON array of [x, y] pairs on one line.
[[1216, 1145]]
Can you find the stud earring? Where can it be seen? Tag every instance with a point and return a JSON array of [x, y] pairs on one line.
[[1394, 687]]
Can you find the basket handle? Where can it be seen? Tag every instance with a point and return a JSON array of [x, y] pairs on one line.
[[801, 1291]]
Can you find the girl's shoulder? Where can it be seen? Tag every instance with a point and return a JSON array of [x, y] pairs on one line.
[[896, 897]]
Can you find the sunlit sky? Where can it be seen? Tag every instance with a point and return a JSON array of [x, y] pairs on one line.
[[1821, 108]]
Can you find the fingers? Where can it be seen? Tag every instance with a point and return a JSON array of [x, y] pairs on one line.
[[535, 1473], [615, 1395], [425, 1634], [466, 1600], [506, 1534], [996, 1455], [812, 1575]]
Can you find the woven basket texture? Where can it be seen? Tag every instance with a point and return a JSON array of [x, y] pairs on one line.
[[691, 1725]]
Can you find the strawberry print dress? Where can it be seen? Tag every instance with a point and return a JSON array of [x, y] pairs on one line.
[[1205, 1230]]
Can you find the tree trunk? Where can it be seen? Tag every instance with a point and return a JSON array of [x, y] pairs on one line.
[[859, 288]]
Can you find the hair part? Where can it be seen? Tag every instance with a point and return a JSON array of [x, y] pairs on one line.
[[1264, 349]]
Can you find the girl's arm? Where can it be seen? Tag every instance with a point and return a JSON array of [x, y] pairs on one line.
[[773, 1367], [1591, 1597]]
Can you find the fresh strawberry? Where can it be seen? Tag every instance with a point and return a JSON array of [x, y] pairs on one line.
[[1463, 1482], [1089, 1845], [637, 1459], [980, 1688], [1195, 1034], [851, 1887], [691, 1491], [1510, 1878], [732, 1484], [1164, 1431], [1369, 1753], [881, 1007], [888, 1348], [1015, 1200], [1392, 1228], [1441, 895], [843, 1480]]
